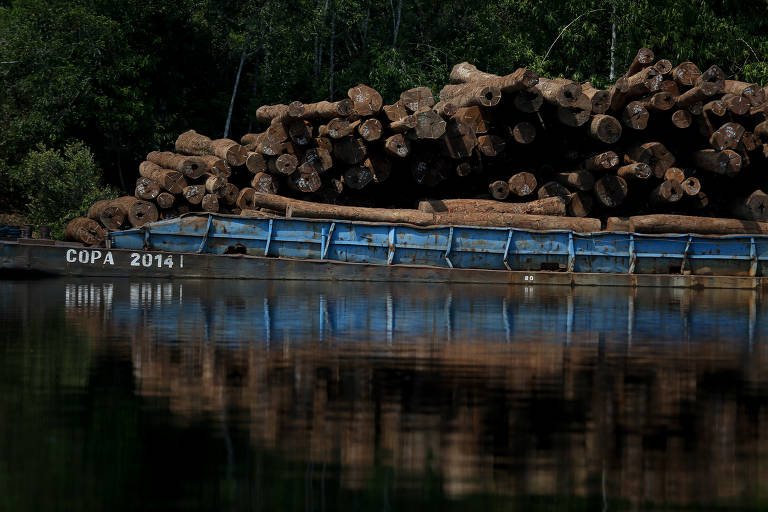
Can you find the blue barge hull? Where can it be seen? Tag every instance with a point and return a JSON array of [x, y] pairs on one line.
[[211, 245]]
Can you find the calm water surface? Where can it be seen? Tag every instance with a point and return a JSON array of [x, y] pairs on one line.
[[214, 395]]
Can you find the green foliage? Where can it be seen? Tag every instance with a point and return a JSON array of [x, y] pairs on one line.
[[59, 185]]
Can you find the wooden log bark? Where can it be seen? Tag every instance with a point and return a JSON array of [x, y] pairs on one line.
[[659, 101], [738, 105], [229, 196], [366, 99], [85, 230], [714, 108], [528, 101], [522, 184], [499, 190], [397, 145], [281, 113], [349, 150], [727, 136], [229, 151], [137, 212], [490, 145], [417, 98], [284, 164], [470, 94], [659, 224], [686, 73], [168, 179], [752, 207], [663, 66], [611, 190], [645, 81], [429, 125], [668, 191], [635, 171], [336, 128], [726, 162], [553, 205], [394, 112], [108, 213], [523, 132], [146, 188], [602, 161], [752, 92], [605, 128], [655, 154], [669, 86], [215, 185], [600, 98], [580, 180], [264, 183], [190, 166], [210, 203], [713, 76], [193, 143], [696, 94], [576, 114], [194, 193], [326, 110], [165, 200], [478, 119], [635, 116], [643, 59], [618, 94], [564, 93], [681, 119], [520, 79]]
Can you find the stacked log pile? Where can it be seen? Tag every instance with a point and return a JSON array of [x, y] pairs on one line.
[[664, 139]]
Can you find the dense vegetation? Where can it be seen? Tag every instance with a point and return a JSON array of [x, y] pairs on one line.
[[117, 79]]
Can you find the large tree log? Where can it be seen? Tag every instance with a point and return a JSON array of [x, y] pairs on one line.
[[215, 185], [230, 194], [395, 111], [752, 92], [417, 98], [255, 162], [108, 213], [562, 93], [307, 182], [490, 145], [245, 198], [193, 143], [552, 189], [727, 136], [753, 207], [643, 59], [645, 81], [217, 166], [523, 132], [686, 73], [170, 180], [397, 145], [600, 98], [499, 190], [210, 203], [528, 101], [674, 174], [369, 129], [366, 99], [402, 125], [635, 171], [726, 162], [602, 161], [478, 119], [138, 212], [165, 200], [668, 191], [714, 108], [357, 176], [85, 230], [459, 139], [281, 113], [325, 110], [446, 109], [470, 94], [700, 93], [335, 129], [522, 184], [318, 158], [283, 164], [663, 66], [579, 204], [190, 166], [611, 190], [659, 224], [349, 150], [713, 76], [300, 132], [635, 116], [518, 80], [618, 94], [263, 182], [576, 114], [738, 105], [681, 119], [146, 188], [194, 193], [605, 128], [654, 154], [659, 101], [580, 180], [429, 125], [553, 205], [691, 186]]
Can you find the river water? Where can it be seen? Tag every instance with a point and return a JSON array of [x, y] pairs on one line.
[[216, 395]]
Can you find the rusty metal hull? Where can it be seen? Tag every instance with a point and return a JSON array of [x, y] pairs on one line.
[[20, 257]]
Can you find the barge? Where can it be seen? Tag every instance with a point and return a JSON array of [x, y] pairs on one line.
[[204, 245]]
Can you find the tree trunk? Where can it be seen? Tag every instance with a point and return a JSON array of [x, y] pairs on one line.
[[681, 119], [193, 143], [146, 188], [528, 101], [752, 92], [168, 179], [190, 166], [654, 154], [635, 171], [753, 207], [283, 164], [602, 161], [367, 100], [611, 190], [216, 166], [601, 99], [215, 185], [369, 129], [552, 189], [659, 101], [265, 183], [726, 162], [138, 212], [577, 114], [643, 59], [194, 193], [85, 230], [325, 110], [230, 194], [210, 203], [108, 213], [402, 125], [335, 129], [499, 190], [660, 224], [580, 180], [468, 95], [691, 186], [605, 128], [522, 184], [417, 99], [668, 191], [562, 93], [727, 136], [280, 113], [517, 81], [635, 116], [255, 162], [165, 200], [478, 119], [579, 204], [554, 205], [459, 139], [245, 198]]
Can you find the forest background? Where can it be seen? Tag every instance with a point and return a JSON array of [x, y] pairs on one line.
[[90, 87]]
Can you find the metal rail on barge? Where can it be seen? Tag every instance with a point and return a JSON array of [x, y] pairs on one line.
[[221, 246]]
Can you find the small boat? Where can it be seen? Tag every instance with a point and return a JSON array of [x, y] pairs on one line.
[[205, 245]]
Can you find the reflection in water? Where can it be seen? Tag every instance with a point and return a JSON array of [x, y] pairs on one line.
[[392, 394]]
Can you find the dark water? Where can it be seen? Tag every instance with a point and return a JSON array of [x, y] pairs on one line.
[[203, 395]]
